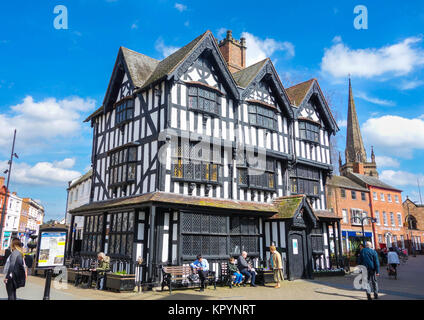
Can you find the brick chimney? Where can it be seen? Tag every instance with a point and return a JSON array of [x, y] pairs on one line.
[[358, 167], [234, 52]]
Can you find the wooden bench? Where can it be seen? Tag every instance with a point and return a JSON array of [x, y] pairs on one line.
[[227, 278], [174, 276]]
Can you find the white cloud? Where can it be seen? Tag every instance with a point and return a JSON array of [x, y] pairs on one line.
[[164, 49], [258, 49], [39, 122], [381, 102], [134, 26], [342, 123], [180, 7], [385, 161], [221, 32], [397, 59], [65, 163], [394, 134], [412, 84], [43, 173], [400, 178]]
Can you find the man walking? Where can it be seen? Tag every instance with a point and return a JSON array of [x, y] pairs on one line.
[[246, 269], [368, 257]]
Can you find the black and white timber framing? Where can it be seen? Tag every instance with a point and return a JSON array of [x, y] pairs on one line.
[[163, 110]]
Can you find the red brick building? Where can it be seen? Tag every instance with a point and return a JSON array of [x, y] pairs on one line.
[[414, 224], [351, 202]]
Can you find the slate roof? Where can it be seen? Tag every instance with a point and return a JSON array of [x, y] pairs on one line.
[[165, 197], [372, 181], [246, 75], [169, 64], [139, 66], [345, 182], [298, 92], [84, 177]]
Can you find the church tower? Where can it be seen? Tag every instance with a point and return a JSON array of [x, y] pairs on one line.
[[355, 154]]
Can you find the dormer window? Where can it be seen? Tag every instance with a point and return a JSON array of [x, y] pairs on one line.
[[309, 131], [124, 111], [263, 117], [122, 166], [203, 100]]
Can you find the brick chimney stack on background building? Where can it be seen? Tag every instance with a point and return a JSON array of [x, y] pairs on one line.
[[234, 52]]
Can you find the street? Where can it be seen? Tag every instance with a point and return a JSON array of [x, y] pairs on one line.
[[410, 285]]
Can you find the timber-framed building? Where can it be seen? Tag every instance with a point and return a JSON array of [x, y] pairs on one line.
[[173, 174]]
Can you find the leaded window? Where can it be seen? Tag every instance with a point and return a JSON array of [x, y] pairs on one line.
[[262, 117], [121, 234], [305, 180], [204, 100], [209, 235], [257, 178], [309, 131], [191, 162], [122, 166], [124, 111], [92, 239], [356, 216]]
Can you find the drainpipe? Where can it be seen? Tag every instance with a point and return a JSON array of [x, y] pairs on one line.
[[372, 216]]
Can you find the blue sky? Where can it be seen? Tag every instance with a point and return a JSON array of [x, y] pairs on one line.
[[51, 79]]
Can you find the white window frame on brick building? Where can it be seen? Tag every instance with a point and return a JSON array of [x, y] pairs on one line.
[[377, 216], [389, 197], [392, 219], [385, 218], [396, 198], [345, 216], [381, 196], [399, 217], [375, 196]]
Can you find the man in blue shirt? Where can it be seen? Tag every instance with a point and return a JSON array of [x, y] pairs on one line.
[[201, 265], [368, 257]]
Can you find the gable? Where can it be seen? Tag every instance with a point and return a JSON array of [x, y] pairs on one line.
[[314, 107], [205, 61], [267, 85]]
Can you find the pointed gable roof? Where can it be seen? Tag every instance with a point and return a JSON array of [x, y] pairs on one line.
[[167, 65], [302, 92], [253, 74], [289, 206], [139, 66], [355, 151], [297, 93], [246, 75]]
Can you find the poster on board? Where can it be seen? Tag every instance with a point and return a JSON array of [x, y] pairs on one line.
[[51, 249], [295, 248]]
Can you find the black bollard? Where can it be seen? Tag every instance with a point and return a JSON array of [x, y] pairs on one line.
[[48, 284]]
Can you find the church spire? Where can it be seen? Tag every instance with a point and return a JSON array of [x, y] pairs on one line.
[[355, 151]]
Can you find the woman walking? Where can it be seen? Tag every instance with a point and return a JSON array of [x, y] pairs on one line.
[[15, 270], [277, 266]]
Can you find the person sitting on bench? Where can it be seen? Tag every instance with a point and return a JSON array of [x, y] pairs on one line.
[[201, 265], [246, 269]]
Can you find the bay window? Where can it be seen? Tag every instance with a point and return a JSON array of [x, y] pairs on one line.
[[261, 116], [203, 100], [309, 131], [124, 111]]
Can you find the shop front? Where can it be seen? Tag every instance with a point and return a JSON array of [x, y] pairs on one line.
[[352, 240]]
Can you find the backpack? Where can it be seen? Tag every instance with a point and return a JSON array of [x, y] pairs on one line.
[[20, 274]]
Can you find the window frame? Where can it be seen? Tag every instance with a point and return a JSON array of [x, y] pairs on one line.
[[118, 235], [309, 131], [265, 181], [202, 171], [305, 179], [118, 163], [197, 93], [266, 113], [124, 112]]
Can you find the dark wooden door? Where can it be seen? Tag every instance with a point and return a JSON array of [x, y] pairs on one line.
[[297, 256]]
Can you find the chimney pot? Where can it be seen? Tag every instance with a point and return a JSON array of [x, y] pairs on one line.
[[234, 52]]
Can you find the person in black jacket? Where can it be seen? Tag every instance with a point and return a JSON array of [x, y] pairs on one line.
[[15, 270]]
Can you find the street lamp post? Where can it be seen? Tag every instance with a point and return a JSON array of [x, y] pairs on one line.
[[373, 220], [8, 171]]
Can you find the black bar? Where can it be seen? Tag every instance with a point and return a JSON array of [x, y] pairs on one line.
[[48, 284]]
